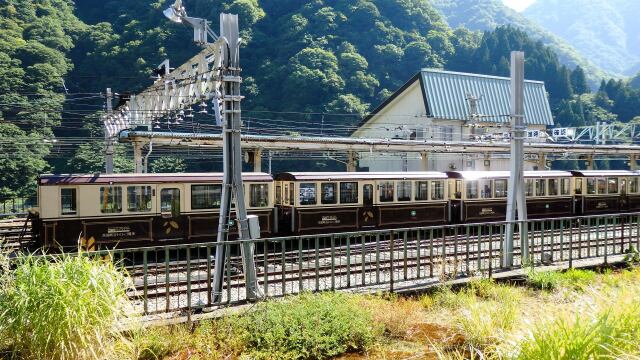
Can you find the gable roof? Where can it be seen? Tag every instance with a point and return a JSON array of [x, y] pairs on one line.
[[445, 96]]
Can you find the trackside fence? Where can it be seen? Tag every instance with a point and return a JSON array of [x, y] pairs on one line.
[[178, 278]]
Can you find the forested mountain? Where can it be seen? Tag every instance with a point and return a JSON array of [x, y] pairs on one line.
[[605, 31], [309, 67], [483, 15]]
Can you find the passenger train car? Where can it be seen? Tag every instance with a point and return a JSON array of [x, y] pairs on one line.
[[127, 210]]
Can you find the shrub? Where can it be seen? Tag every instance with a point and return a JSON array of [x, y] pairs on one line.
[[578, 279], [397, 315], [62, 307], [307, 326], [544, 280]]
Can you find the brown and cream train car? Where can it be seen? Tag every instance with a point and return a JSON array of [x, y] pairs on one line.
[[606, 191], [311, 202], [125, 210], [480, 196]]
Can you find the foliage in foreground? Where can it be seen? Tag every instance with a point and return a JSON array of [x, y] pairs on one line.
[[62, 307]]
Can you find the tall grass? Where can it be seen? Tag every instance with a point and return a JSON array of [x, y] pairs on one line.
[[62, 307]]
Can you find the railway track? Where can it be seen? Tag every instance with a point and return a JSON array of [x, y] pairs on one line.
[[165, 288], [14, 234]]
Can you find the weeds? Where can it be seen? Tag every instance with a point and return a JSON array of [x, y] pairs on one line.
[[544, 280], [62, 308]]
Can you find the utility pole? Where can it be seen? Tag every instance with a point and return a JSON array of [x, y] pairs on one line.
[[516, 196], [109, 150], [232, 188]]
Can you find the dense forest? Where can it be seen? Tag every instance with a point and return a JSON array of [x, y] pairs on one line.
[[321, 62]]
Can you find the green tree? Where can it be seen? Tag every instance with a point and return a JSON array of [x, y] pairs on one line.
[[168, 164], [579, 81], [21, 160], [89, 158]]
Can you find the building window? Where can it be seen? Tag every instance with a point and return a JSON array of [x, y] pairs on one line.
[[422, 190], [205, 196], [472, 189], [328, 193], [170, 201], [258, 195], [348, 192], [307, 193], [612, 185], [386, 191], [552, 187], [110, 199], [138, 198], [500, 188], [565, 186], [68, 201], [404, 190]]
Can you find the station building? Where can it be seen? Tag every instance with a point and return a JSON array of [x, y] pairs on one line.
[[451, 106]]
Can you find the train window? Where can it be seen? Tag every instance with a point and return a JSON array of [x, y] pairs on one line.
[[110, 199], [170, 201], [68, 201], [348, 192], [602, 186], [404, 190], [528, 187], [205, 196], [138, 198], [278, 194], [422, 190], [437, 190], [386, 191], [486, 191], [591, 186], [259, 195], [564, 186], [552, 187], [472, 189], [286, 194], [612, 185], [578, 186], [540, 187], [291, 194], [500, 188], [328, 193], [307, 193], [633, 185], [458, 192]]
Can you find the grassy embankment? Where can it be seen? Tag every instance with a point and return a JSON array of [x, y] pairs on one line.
[[69, 309]]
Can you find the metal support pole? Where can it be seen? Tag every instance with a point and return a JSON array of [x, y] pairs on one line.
[[137, 157], [589, 162], [516, 195], [270, 158], [542, 161], [109, 147], [232, 188]]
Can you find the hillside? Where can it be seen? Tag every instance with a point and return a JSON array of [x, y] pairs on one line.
[[483, 15], [605, 31]]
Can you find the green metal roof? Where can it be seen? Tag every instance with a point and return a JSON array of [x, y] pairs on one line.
[[446, 95]]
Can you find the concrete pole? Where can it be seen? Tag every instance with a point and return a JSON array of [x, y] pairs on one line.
[[137, 157], [633, 162], [589, 162], [542, 161], [516, 202], [424, 161], [109, 147], [351, 161], [257, 160]]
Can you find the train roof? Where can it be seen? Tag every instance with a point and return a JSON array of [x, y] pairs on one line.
[[89, 179], [329, 176], [473, 175], [596, 173]]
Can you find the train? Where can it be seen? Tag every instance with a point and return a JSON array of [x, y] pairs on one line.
[[98, 211]]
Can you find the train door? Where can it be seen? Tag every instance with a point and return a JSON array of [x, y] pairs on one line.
[[368, 211], [170, 224]]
